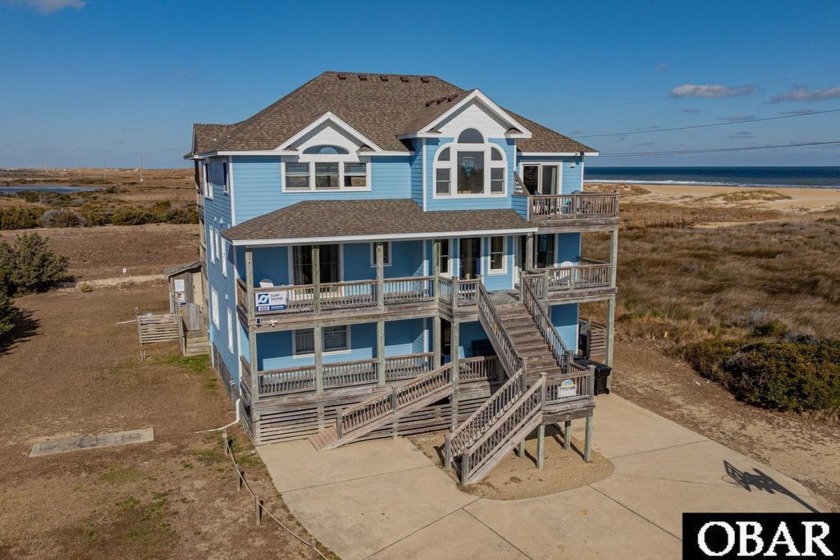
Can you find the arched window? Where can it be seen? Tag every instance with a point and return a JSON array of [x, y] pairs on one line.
[[470, 167], [326, 150], [470, 136]]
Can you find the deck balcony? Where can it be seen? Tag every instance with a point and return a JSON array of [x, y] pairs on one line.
[[580, 211], [588, 280]]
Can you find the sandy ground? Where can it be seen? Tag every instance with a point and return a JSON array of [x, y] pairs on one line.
[[517, 478], [800, 199]]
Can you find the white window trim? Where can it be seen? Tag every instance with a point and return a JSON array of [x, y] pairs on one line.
[[208, 180], [452, 165], [449, 258], [340, 159], [230, 329], [541, 164], [497, 271], [212, 245], [347, 350], [386, 253], [224, 255], [226, 177], [214, 304]]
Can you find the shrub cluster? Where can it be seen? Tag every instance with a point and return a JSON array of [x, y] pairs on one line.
[[33, 217], [20, 217], [29, 265], [788, 375]]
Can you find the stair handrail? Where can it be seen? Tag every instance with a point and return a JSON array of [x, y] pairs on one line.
[[482, 419], [511, 360], [514, 419], [530, 300], [386, 402]]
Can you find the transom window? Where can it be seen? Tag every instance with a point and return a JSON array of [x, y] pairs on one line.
[[329, 150], [335, 339], [326, 176], [470, 167]]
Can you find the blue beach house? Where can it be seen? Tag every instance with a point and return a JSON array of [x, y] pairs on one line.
[[391, 254]]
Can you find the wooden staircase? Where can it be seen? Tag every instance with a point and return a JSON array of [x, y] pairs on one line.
[[196, 343], [384, 407]]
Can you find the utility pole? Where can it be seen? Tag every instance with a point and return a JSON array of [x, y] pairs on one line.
[[105, 167], [140, 154]]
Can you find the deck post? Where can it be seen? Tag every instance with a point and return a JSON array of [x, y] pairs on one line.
[[613, 256], [456, 364], [520, 449], [436, 267], [541, 447], [380, 275], [587, 445], [529, 251], [252, 335], [380, 352], [447, 452], [437, 339], [610, 335], [316, 278], [318, 339], [567, 435]]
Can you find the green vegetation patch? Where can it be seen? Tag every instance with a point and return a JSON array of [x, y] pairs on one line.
[[788, 375]]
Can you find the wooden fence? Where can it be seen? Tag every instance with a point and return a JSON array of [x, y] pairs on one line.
[[159, 328]]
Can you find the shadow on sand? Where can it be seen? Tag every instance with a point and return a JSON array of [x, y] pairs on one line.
[[761, 481], [25, 328]]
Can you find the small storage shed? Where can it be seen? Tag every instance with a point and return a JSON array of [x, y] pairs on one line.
[[185, 292]]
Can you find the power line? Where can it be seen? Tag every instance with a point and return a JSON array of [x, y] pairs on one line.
[[715, 150], [728, 123], [662, 97]]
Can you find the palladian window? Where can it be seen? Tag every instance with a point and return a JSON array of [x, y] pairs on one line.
[[470, 167]]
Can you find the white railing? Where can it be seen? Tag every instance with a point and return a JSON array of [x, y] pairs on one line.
[[573, 206]]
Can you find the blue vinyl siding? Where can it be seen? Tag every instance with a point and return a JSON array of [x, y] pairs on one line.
[[565, 320], [520, 205], [496, 280], [416, 163], [258, 185], [568, 247], [217, 215], [275, 350], [272, 263], [468, 333]]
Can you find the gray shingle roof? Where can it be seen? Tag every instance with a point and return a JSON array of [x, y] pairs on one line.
[[320, 219], [380, 106]]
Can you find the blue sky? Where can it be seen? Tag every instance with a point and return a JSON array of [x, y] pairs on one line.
[[103, 80]]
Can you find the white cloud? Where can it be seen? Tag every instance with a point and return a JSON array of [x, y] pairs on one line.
[[49, 6], [698, 90], [804, 93]]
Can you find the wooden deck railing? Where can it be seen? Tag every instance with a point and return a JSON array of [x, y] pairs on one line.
[[492, 323], [482, 419], [503, 434], [479, 368], [376, 407], [579, 385], [459, 292], [573, 206], [530, 300], [586, 275], [349, 374]]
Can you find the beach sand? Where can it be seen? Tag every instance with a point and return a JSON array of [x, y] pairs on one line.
[[786, 199]]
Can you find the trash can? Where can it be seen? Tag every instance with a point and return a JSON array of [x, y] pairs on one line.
[[602, 374]]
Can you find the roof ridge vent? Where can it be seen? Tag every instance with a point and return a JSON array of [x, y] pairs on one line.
[[341, 77], [363, 77], [424, 79], [403, 78], [383, 77]]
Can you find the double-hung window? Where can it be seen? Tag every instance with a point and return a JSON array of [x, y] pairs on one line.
[[226, 177], [297, 177], [230, 330], [336, 339], [444, 256], [208, 180], [214, 305], [497, 254], [326, 176], [224, 256], [355, 175], [326, 168], [212, 245]]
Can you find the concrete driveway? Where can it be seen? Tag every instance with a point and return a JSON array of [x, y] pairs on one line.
[[385, 499]]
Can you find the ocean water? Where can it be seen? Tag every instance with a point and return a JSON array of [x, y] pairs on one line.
[[820, 177], [45, 188]]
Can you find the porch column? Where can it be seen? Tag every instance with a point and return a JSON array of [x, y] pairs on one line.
[[436, 267], [252, 335], [456, 363], [529, 251], [610, 334], [316, 278], [380, 351], [380, 275], [613, 256], [318, 334], [437, 339]]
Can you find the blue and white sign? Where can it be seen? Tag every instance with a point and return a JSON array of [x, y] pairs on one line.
[[275, 300], [568, 388]]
